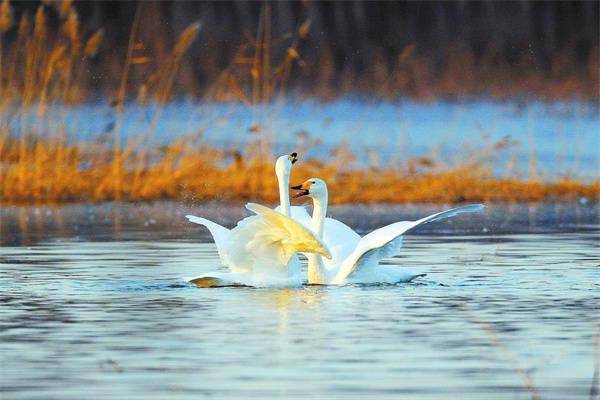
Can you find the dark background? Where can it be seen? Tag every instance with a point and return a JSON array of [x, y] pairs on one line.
[[421, 49]]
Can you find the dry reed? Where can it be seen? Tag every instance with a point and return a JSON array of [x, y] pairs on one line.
[[65, 173], [46, 68]]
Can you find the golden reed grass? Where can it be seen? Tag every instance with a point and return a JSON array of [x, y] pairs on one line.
[[45, 68], [60, 173]]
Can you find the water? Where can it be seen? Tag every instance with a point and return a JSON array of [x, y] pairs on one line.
[[549, 139], [92, 307]]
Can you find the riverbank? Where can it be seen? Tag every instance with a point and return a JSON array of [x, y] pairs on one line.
[[45, 172]]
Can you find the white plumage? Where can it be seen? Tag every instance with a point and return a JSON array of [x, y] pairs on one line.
[[340, 239], [361, 264], [261, 250]]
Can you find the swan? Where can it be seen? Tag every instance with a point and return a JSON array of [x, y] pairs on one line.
[[339, 237], [361, 265], [221, 234], [245, 255], [260, 248]]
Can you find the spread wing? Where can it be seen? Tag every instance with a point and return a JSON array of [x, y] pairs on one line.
[[298, 214], [270, 233], [387, 241], [219, 233], [339, 237]]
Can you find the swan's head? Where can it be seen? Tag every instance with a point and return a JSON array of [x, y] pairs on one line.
[[314, 187], [283, 166]]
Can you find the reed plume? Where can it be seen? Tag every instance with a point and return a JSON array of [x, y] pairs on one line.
[[5, 16], [167, 73], [40, 165], [93, 43], [39, 27], [23, 26], [64, 7], [180, 171], [5, 24]]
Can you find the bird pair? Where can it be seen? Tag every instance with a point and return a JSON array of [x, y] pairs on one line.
[[262, 250]]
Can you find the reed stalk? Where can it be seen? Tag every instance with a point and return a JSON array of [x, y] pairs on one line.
[[40, 70]]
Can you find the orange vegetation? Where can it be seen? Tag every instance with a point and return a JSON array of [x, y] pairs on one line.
[[55, 172], [39, 70]]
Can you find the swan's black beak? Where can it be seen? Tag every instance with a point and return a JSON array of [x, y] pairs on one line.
[[294, 157], [302, 191]]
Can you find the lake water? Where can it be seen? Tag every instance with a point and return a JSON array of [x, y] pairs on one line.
[[550, 140], [92, 306]]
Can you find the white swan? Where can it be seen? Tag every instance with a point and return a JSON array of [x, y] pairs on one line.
[[220, 234], [361, 265], [260, 248], [339, 237], [251, 252]]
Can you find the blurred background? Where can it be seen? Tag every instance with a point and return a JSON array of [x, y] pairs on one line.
[[423, 50], [135, 100]]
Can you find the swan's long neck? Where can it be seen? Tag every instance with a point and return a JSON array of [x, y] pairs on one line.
[[283, 180], [319, 212], [316, 271]]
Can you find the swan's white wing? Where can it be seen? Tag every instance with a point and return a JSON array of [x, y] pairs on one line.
[[286, 233], [339, 237], [271, 232], [383, 274], [298, 214], [219, 233], [387, 241]]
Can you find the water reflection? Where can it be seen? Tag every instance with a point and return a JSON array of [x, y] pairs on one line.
[[498, 316]]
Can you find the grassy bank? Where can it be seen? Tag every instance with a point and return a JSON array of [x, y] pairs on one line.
[[45, 64], [57, 172]]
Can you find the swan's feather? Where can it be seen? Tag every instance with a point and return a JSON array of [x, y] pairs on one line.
[[298, 214], [273, 231], [219, 233], [384, 274], [387, 241], [339, 237]]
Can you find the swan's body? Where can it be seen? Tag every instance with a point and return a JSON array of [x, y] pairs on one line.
[[250, 263], [361, 264], [340, 239], [260, 248]]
